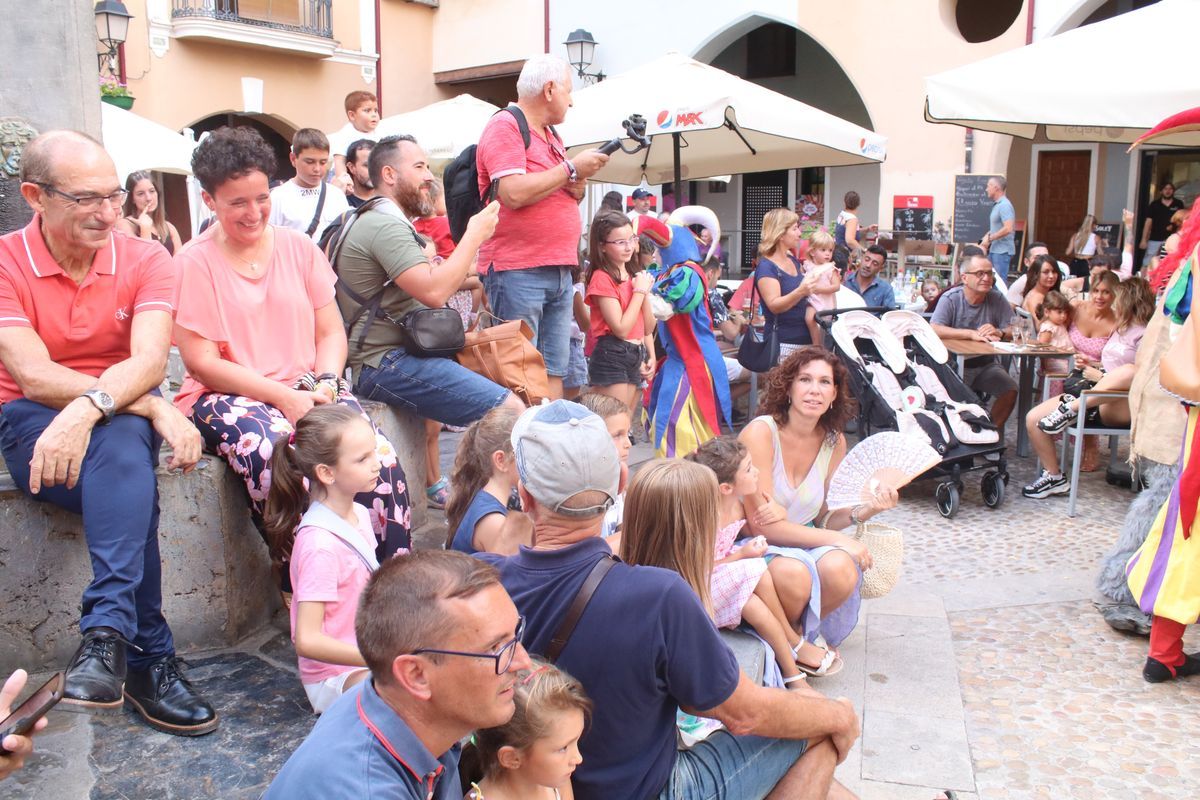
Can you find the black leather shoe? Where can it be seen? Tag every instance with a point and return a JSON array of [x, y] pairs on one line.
[[96, 673], [167, 701]]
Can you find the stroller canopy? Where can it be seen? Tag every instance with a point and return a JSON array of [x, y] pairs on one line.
[[855, 324], [910, 323]]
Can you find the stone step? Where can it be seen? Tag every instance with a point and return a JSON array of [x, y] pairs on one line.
[[217, 586]]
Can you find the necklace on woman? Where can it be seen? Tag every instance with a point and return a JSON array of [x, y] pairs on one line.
[[253, 265]]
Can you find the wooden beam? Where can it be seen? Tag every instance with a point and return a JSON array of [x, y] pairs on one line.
[[503, 70]]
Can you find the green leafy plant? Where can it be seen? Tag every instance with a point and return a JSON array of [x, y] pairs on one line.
[[111, 87]]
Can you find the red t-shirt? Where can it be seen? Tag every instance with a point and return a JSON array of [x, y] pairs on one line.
[[602, 285], [85, 327], [540, 235], [436, 229]]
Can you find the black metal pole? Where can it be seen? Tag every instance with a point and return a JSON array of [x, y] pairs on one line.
[[675, 137]]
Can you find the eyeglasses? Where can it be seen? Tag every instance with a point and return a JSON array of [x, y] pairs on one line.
[[983, 274], [503, 657], [632, 241], [89, 202]]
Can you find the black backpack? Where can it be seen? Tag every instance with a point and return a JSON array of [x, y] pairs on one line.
[[461, 180]]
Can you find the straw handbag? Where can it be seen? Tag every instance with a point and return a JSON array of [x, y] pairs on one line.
[[886, 545]]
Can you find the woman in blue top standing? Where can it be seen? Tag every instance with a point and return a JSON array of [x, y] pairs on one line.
[[781, 282]]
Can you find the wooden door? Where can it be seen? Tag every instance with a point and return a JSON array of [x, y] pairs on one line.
[[1062, 197]]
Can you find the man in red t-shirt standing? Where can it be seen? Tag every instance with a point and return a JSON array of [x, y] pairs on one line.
[[526, 266], [85, 325]]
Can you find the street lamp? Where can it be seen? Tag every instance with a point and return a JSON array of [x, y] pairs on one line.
[[581, 48], [112, 28]]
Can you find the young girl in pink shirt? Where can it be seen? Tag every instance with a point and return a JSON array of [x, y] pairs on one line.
[[820, 261], [327, 540]]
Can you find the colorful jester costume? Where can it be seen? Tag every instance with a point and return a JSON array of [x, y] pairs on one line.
[[689, 396], [1164, 575]]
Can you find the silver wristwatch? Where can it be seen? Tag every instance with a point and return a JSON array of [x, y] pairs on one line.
[[103, 402]]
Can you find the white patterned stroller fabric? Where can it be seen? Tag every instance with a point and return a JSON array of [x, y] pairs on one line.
[[969, 422], [912, 419]]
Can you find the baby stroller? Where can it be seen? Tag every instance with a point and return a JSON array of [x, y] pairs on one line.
[[900, 375]]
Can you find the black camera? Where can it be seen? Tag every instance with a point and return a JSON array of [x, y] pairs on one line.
[[635, 129]]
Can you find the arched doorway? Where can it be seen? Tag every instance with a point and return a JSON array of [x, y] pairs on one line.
[[777, 55], [277, 133]]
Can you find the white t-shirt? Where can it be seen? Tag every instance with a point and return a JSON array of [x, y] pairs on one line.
[[293, 206], [340, 140]]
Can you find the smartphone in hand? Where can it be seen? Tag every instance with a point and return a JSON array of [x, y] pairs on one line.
[[21, 721]]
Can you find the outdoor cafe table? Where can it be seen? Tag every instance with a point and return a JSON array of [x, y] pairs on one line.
[[1026, 356]]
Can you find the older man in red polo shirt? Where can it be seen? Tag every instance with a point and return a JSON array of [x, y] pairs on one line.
[[85, 325], [526, 266]]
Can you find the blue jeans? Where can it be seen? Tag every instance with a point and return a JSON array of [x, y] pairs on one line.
[[117, 495], [543, 297], [733, 767], [1000, 262], [440, 389]]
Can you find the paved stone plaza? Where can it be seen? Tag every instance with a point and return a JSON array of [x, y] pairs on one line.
[[987, 671]]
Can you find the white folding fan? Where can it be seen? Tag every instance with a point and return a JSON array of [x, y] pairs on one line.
[[887, 459]]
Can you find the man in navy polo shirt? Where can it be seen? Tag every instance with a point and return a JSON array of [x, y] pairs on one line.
[[865, 281], [644, 646], [443, 642]]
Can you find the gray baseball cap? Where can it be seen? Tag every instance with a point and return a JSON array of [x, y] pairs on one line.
[[563, 449]]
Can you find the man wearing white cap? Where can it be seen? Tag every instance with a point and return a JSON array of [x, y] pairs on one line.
[[644, 647]]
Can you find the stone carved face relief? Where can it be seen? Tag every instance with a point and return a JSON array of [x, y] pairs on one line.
[[15, 133]]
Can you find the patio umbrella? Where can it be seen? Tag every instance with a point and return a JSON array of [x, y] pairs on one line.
[[136, 143], [444, 128], [703, 122], [1095, 93]]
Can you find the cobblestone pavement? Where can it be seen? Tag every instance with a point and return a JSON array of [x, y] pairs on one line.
[[987, 671]]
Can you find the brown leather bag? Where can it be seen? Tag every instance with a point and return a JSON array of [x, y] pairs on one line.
[[504, 353]]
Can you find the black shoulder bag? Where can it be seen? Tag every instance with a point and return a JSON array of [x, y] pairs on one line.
[[759, 349]]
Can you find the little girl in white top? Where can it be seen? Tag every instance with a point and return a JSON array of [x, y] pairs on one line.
[[330, 549], [534, 754]]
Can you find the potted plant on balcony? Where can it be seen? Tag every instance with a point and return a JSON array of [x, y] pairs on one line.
[[114, 92]]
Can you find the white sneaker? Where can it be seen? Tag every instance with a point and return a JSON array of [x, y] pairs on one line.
[[1047, 485]]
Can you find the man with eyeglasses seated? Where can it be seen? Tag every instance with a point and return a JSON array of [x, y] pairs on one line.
[[85, 325], [443, 641], [977, 310]]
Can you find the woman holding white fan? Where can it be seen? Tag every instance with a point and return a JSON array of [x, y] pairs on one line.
[[797, 445]]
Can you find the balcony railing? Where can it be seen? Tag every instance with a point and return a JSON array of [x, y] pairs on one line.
[[312, 17]]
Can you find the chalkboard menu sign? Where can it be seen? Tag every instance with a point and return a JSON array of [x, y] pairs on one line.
[[1110, 232], [912, 215], [971, 208]]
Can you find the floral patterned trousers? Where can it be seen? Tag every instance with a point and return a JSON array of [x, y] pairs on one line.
[[244, 432]]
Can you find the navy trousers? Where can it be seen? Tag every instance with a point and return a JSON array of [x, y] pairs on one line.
[[117, 495]]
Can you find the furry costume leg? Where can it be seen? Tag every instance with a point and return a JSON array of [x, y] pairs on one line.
[[1121, 611]]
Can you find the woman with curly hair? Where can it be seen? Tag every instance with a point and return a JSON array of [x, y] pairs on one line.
[[260, 332], [797, 445]]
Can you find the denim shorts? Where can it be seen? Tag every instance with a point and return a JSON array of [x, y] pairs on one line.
[[615, 361], [440, 389], [724, 765], [542, 296], [577, 367]]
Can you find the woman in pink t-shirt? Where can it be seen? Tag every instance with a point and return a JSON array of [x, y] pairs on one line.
[[260, 332]]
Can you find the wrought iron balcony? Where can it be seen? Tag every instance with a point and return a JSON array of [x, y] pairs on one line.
[[308, 17]]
